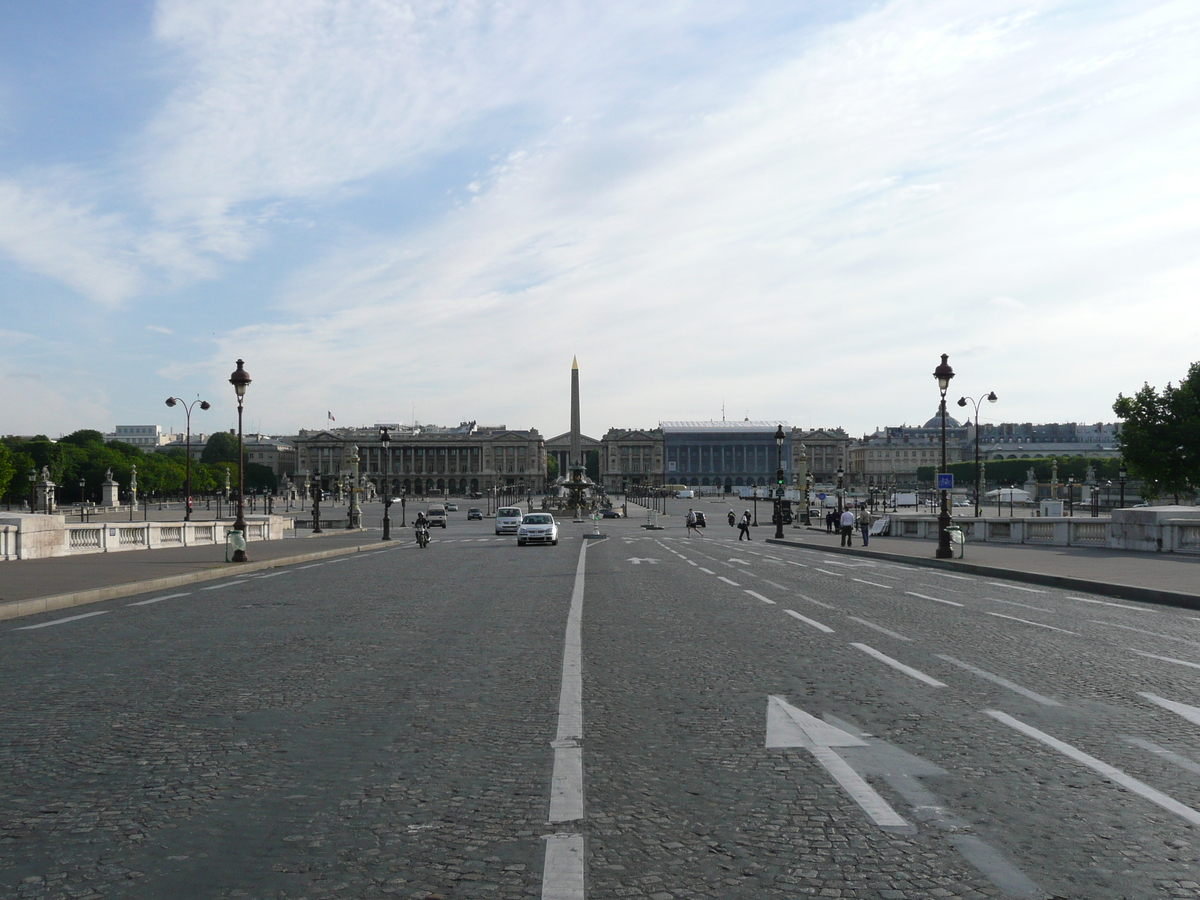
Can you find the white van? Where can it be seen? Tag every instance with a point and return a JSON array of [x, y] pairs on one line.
[[685, 495], [508, 520], [436, 516]]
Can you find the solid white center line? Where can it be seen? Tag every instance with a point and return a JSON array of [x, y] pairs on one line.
[[563, 870], [159, 599], [872, 583], [880, 629], [934, 599], [813, 622], [1003, 682], [61, 621], [1027, 622], [224, 584], [760, 597], [1178, 662], [1015, 587], [1113, 774], [898, 666], [727, 581]]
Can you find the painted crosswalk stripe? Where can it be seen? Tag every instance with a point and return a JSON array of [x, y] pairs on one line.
[[813, 622], [159, 599], [61, 621], [758, 596], [1111, 773], [898, 666], [934, 599]]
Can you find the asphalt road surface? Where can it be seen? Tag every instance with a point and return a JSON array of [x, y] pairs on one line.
[[647, 715]]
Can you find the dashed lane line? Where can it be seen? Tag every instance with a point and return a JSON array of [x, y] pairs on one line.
[[1018, 603], [159, 599], [1191, 713], [223, 584], [1178, 662], [898, 666], [1028, 622], [948, 575], [1175, 758], [813, 622], [758, 596], [62, 621], [827, 572], [880, 629], [1107, 603], [872, 583], [1111, 773], [1017, 587], [727, 581], [997, 679], [1165, 637], [310, 566], [816, 602], [934, 599], [707, 571]]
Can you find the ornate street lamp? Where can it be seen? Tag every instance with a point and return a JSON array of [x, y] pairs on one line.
[[1122, 475], [780, 437], [386, 440], [240, 380], [962, 401], [316, 501], [943, 373], [33, 490], [187, 471], [841, 474]]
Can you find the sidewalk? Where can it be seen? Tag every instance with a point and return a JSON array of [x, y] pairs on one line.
[[1149, 577], [40, 585]]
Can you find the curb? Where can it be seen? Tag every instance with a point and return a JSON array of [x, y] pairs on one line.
[[18, 608], [1103, 588]]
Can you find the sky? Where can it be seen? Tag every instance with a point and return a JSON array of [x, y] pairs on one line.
[[416, 210]]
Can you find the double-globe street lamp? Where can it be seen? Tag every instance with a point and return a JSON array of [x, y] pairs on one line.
[[187, 471], [240, 380], [943, 373], [990, 397]]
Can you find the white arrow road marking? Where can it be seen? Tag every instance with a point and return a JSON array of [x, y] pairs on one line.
[[1191, 713], [1113, 774], [788, 726], [638, 562]]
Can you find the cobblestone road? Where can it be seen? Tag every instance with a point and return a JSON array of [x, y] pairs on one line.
[[381, 725]]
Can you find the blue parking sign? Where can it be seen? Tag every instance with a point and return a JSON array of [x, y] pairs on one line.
[[945, 481]]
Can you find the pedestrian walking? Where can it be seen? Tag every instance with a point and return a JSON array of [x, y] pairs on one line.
[[864, 525], [744, 526], [691, 521], [847, 528], [829, 517]]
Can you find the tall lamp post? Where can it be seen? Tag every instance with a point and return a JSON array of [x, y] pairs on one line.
[[841, 474], [943, 373], [990, 397], [33, 490], [1122, 475], [187, 465], [386, 440], [240, 380], [780, 437]]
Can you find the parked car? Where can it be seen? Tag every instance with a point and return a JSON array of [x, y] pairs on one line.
[[474, 513], [537, 528], [508, 519]]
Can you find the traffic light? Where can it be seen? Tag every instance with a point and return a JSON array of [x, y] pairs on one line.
[[779, 477]]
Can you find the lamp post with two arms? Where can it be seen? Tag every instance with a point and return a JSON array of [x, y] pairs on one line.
[[990, 397], [187, 443]]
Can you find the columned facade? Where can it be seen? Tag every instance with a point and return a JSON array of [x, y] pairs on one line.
[[724, 454], [631, 458]]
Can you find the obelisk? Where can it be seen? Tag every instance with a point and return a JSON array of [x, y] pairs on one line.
[[576, 452]]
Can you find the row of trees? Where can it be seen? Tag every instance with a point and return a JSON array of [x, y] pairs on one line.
[[1160, 436], [85, 455]]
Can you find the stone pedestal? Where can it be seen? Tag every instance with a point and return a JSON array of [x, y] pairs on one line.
[[108, 493], [45, 496]]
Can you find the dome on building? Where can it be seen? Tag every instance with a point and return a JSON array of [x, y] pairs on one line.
[[936, 422]]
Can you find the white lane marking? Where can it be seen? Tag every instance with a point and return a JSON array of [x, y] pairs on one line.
[[1017, 603], [1165, 637], [934, 599], [880, 629], [727, 581], [760, 597], [334, 562], [691, 563], [800, 565], [562, 872], [948, 575], [862, 793], [1003, 682], [102, 612], [1113, 774], [1027, 622], [834, 574], [566, 789], [159, 599], [310, 566], [813, 622], [776, 585], [224, 584], [1014, 587], [1182, 761], [872, 583], [816, 602], [1107, 603], [1191, 713], [1178, 662], [707, 571], [773, 559], [289, 571], [898, 666]]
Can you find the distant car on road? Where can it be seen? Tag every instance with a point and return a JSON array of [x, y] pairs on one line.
[[474, 513], [701, 522], [610, 514], [508, 519], [537, 528], [451, 507]]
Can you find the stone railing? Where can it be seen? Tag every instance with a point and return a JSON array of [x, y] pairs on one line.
[[39, 536], [1169, 529]]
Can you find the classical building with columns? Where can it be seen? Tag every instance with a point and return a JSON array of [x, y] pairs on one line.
[[631, 457], [427, 460]]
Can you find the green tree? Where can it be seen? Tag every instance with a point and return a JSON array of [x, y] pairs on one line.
[[551, 467], [1160, 435], [7, 469], [221, 447], [592, 465], [86, 437]]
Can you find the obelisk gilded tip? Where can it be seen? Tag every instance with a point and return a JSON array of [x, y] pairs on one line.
[[574, 362]]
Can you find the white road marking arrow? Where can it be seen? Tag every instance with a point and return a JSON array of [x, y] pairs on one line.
[[788, 726], [638, 562]]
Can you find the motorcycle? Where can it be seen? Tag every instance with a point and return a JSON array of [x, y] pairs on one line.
[[422, 536], [732, 519]]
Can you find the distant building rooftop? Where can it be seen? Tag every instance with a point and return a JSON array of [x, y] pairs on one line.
[[722, 425]]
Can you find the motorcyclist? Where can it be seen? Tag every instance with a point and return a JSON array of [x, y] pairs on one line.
[[732, 519], [421, 527]]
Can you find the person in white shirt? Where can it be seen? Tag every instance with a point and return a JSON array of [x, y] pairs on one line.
[[847, 523]]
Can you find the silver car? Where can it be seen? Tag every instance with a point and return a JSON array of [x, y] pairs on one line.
[[508, 519], [537, 528]]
